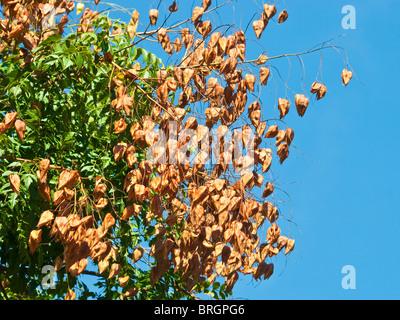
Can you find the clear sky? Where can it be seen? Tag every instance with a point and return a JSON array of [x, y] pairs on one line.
[[341, 177]]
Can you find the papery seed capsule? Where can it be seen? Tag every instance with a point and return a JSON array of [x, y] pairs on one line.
[[153, 15]]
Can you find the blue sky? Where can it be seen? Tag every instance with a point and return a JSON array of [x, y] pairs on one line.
[[341, 176]]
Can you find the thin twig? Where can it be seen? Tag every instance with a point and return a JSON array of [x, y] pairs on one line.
[[30, 161]]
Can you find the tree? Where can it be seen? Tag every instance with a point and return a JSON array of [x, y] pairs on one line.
[[105, 169]]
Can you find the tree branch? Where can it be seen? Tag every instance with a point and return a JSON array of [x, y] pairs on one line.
[[30, 161]]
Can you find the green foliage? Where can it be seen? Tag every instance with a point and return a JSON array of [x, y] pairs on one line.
[[63, 95]]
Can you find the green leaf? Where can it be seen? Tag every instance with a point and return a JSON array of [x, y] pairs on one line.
[[14, 164], [13, 200]]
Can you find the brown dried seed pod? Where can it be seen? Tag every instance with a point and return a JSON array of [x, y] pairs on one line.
[[250, 80], [140, 138], [264, 74], [137, 126], [130, 155], [132, 74], [258, 27], [172, 85], [108, 221], [78, 266], [115, 269], [9, 119], [101, 204], [133, 23], [35, 238], [164, 40], [58, 196], [187, 75], [280, 137], [283, 16], [301, 102], [45, 219], [2, 128], [15, 182], [68, 178], [44, 166], [137, 254], [269, 10], [240, 37], [141, 192], [261, 59], [123, 281], [203, 27], [241, 49], [44, 191], [119, 151], [269, 189], [319, 89], [16, 31], [346, 76], [289, 136], [289, 246], [187, 37], [177, 44], [231, 280], [283, 152], [20, 127], [132, 210], [272, 132], [197, 13], [120, 126], [206, 4], [283, 106], [173, 7], [70, 295], [255, 117], [153, 15]]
